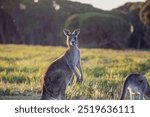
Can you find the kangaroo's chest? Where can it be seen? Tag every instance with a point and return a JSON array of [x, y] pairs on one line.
[[75, 56]]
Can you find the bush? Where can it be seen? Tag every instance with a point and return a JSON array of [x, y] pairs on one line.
[[104, 29]]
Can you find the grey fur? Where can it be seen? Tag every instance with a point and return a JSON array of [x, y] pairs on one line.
[[136, 84], [60, 73]]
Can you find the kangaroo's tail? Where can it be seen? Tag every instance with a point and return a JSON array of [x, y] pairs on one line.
[[44, 95]]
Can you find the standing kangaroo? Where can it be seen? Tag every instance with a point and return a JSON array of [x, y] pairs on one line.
[[60, 72], [136, 84]]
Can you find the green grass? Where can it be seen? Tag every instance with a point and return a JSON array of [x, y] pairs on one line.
[[22, 68]]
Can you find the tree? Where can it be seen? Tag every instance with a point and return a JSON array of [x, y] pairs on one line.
[[145, 13], [145, 18], [103, 29], [8, 30]]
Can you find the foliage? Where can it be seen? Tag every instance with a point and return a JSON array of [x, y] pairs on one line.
[[138, 14], [22, 68], [145, 13], [27, 22], [103, 29], [40, 23], [145, 18]]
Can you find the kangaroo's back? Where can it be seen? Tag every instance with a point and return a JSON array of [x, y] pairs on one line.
[[135, 83]]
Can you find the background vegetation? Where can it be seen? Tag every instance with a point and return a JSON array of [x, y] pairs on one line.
[[42, 22], [22, 68]]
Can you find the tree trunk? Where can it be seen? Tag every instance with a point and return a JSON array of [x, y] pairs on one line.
[[8, 30]]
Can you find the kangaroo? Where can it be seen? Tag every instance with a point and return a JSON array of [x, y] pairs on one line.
[[61, 72], [136, 84]]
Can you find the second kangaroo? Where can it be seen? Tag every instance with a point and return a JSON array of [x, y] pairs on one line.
[[60, 72], [136, 84]]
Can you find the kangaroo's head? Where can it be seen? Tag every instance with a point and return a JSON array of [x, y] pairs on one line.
[[72, 38]]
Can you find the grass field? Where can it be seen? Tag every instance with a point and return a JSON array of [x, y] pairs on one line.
[[22, 68]]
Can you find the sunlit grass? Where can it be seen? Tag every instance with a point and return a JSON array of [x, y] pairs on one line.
[[22, 68]]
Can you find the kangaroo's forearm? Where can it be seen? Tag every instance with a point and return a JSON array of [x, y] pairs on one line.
[[80, 69], [73, 70], [81, 72]]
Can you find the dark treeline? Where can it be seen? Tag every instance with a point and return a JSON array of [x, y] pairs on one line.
[[42, 22]]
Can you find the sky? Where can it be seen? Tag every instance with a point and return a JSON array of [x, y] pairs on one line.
[[107, 4]]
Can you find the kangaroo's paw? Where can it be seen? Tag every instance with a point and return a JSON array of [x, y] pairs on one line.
[[79, 80]]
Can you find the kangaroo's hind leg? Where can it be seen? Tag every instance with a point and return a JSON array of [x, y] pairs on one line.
[[63, 94], [132, 96], [61, 89], [143, 87], [142, 93], [54, 86], [141, 97], [45, 94]]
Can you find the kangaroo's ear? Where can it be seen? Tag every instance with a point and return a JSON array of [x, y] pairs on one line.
[[76, 31], [66, 32]]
